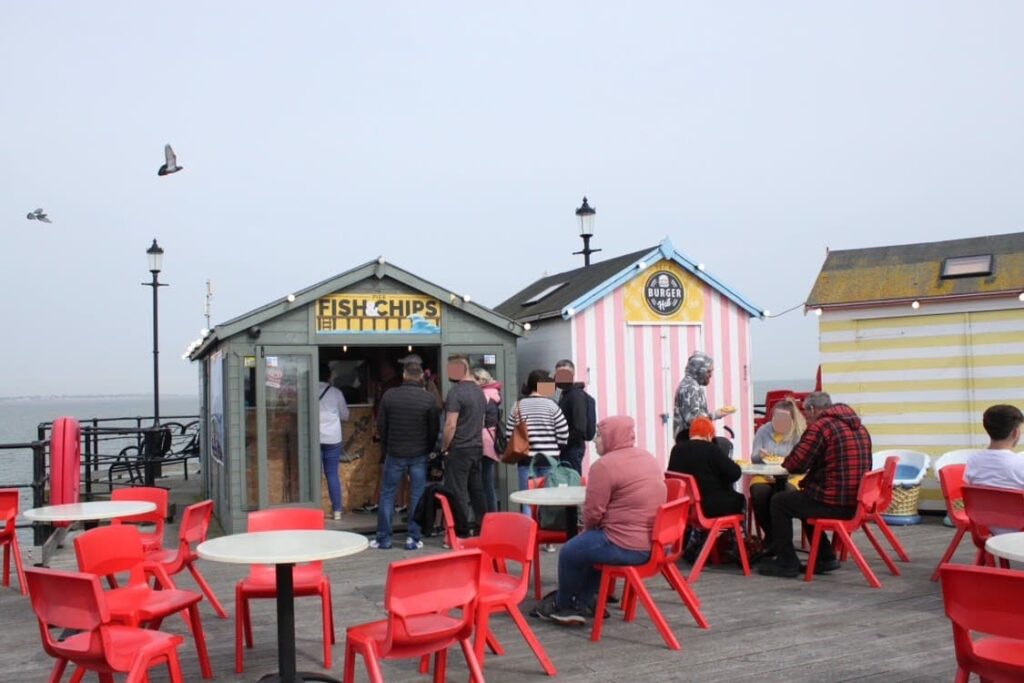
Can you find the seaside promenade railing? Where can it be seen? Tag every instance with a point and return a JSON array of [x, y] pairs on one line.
[[116, 451]]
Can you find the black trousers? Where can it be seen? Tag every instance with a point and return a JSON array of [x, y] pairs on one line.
[[789, 505], [462, 476], [760, 501]]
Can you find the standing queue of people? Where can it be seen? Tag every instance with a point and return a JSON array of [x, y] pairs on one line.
[[410, 419]]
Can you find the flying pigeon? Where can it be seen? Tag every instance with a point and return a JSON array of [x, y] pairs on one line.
[[171, 162], [39, 215]]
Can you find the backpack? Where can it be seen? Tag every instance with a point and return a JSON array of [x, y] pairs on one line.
[[492, 414], [561, 474], [500, 439]]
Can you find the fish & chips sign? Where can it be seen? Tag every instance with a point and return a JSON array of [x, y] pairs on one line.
[[378, 314]]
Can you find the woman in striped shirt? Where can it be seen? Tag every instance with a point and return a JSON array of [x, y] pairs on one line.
[[545, 425]]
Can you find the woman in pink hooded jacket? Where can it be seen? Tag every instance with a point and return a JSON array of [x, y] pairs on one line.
[[625, 488], [492, 392]]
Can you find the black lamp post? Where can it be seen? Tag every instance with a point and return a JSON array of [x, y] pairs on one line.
[[585, 214], [156, 257]]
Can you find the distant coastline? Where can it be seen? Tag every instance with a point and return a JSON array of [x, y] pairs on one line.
[[90, 397]]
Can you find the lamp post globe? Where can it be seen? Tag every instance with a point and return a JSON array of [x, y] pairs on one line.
[[155, 256], [586, 215]]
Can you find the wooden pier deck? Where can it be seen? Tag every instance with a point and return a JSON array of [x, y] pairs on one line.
[[836, 628]]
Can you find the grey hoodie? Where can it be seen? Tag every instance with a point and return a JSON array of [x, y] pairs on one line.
[[691, 401]]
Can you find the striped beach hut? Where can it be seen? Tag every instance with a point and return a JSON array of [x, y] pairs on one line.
[[921, 338], [630, 323]]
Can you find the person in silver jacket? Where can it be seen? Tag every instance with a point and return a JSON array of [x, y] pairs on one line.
[[691, 401]]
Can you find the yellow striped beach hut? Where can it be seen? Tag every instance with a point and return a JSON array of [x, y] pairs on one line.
[[921, 338]]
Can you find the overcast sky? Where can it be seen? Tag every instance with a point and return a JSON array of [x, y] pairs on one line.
[[457, 139]]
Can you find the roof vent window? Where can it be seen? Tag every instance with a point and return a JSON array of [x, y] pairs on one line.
[[967, 266], [547, 291]]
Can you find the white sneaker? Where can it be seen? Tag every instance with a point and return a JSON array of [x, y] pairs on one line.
[[413, 545], [548, 548], [337, 515]]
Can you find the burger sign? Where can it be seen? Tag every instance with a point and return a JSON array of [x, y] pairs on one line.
[[664, 293]]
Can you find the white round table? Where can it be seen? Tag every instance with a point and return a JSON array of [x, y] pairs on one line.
[[89, 512], [557, 496], [1007, 546], [284, 549], [569, 497]]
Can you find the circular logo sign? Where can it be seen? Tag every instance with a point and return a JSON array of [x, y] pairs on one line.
[[664, 293]]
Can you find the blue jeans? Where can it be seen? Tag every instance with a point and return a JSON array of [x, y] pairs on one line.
[[578, 581], [394, 469], [330, 454], [523, 472], [487, 467]]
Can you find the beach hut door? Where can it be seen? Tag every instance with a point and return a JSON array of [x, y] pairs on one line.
[[285, 395]]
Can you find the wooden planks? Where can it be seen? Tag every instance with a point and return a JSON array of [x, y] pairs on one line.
[[833, 629]]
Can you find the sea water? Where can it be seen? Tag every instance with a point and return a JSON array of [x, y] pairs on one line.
[[20, 419]]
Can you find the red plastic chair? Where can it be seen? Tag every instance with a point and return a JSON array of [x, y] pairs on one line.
[[151, 540], [453, 541], [507, 537], [74, 601], [987, 508], [419, 597], [544, 537], [666, 548], [309, 579], [713, 526], [112, 550], [195, 523], [989, 601], [674, 488], [951, 480], [874, 515], [868, 494], [9, 537]]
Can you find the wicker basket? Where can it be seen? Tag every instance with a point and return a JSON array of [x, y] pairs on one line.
[[904, 501]]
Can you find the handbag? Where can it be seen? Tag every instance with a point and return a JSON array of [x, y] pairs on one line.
[[518, 447]]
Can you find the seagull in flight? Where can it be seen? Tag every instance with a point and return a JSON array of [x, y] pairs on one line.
[[39, 215], [171, 162]]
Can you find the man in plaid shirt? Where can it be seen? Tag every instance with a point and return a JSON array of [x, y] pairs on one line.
[[835, 453]]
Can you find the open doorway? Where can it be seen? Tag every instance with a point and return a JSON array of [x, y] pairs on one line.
[[364, 373]]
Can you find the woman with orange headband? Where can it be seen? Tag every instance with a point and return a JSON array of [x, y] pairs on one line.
[[714, 471]]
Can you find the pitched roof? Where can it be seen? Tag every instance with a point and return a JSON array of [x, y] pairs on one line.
[[581, 287], [574, 283], [914, 271], [372, 269]]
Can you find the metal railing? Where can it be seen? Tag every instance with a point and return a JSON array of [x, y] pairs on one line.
[[121, 444]]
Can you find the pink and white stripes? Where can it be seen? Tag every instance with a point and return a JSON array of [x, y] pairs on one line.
[[635, 369]]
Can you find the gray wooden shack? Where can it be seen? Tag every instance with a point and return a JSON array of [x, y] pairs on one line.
[[259, 381]]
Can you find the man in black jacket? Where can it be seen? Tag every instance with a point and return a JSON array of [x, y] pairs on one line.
[[578, 407], [407, 422]]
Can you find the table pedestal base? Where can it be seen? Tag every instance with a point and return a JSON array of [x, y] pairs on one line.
[[286, 634]]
